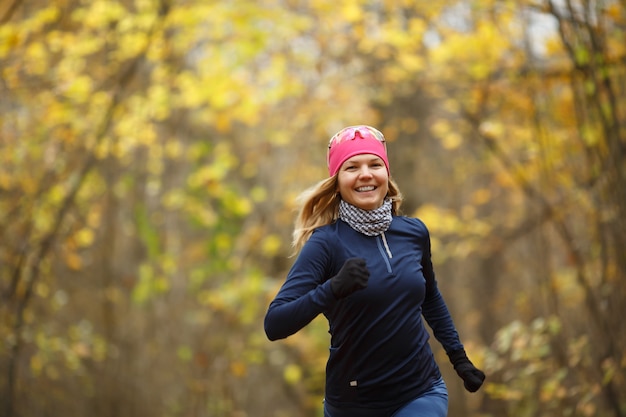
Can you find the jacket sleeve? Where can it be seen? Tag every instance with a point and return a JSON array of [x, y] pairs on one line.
[[434, 309], [305, 294]]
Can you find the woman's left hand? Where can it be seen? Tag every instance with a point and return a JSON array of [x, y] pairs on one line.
[[472, 377]]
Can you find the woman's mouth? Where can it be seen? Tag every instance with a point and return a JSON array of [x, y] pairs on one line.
[[365, 189]]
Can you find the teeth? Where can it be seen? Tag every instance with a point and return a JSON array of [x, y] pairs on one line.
[[368, 188]]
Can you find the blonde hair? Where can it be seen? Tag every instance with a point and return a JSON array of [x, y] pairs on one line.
[[319, 206]]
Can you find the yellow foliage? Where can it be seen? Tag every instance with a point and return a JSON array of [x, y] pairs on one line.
[[159, 102], [42, 290], [241, 206], [438, 220], [503, 392], [223, 243], [481, 196], [84, 237], [351, 11], [258, 194], [238, 369], [205, 214], [100, 13], [36, 364], [9, 39], [114, 295], [80, 89], [36, 58], [292, 374], [479, 52], [184, 353], [173, 149], [492, 129], [40, 19], [73, 261], [564, 283], [190, 83], [449, 137], [6, 180], [131, 45], [411, 62], [271, 245], [174, 199], [223, 122]]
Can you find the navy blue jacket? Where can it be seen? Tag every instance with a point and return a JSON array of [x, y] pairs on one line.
[[379, 351]]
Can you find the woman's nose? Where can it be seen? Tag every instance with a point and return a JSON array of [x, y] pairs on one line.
[[365, 171]]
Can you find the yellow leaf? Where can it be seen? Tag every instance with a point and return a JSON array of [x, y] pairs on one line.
[[42, 290], [481, 196], [84, 237], [292, 374], [81, 349], [271, 245], [223, 242], [73, 261], [238, 368], [351, 11], [184, 353], [36, 58], [258, 194], [9, 39], [223, 123], [100, 13], [36, 364], [132, 44], [240, 205], [452, 140], [80, 89]]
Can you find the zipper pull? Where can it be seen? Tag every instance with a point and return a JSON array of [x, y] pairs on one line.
[[386, 245]]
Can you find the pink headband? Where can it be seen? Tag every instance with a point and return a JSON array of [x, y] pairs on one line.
[[355, 140]]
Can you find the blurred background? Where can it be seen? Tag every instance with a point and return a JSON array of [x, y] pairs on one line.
[[150, 156]]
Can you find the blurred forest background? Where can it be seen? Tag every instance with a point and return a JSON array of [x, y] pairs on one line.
[[151, 151]]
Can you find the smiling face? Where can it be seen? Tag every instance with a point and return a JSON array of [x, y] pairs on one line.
[[363, 181]]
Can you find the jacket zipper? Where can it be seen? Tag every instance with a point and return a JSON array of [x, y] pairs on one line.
[[384, 250]]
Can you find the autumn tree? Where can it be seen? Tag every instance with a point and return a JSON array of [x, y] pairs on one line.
[[151, 151]]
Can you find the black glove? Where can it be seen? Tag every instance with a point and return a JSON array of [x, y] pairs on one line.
[[472, 377], [352, 276]]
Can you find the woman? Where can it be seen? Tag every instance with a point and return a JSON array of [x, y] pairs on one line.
[[369, 271]]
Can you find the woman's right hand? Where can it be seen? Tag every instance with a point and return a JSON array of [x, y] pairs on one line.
[[352, 276]]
